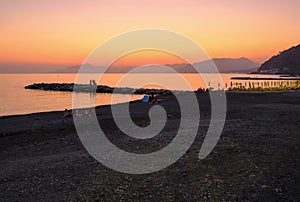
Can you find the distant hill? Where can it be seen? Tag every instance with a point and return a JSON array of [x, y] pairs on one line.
[[28, 68], [286, 62], [75, 69], [224, 65]]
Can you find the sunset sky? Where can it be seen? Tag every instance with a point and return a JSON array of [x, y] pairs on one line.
[[62, 33]]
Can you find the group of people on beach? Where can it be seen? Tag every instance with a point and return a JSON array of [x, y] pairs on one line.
[[153, 98], [78, 112]]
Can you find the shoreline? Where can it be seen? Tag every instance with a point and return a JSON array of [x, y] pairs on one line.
[[227, 93]]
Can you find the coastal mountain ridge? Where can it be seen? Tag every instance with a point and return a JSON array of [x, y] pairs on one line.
[[286, 62], [224, 65]]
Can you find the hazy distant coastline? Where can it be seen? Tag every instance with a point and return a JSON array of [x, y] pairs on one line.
[[224, 65], [286, 62]]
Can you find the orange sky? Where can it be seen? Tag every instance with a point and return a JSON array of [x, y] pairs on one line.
[[65, 32], [148, 57]]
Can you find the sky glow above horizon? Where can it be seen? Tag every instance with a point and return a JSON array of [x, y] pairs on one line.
[[65, 32]]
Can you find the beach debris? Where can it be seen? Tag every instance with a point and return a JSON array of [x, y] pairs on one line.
[[67, 113]]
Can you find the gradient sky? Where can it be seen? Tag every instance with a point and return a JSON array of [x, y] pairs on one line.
[[65, 32]]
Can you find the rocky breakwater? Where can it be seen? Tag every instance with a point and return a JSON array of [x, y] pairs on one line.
[[70, 87]]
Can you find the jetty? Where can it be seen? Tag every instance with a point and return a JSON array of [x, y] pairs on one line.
[[262, 78], [92, 88]]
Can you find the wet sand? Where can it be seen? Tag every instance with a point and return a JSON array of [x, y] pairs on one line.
[[256, 158]]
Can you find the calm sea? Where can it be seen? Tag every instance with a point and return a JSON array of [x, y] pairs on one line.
[[17, 100]]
